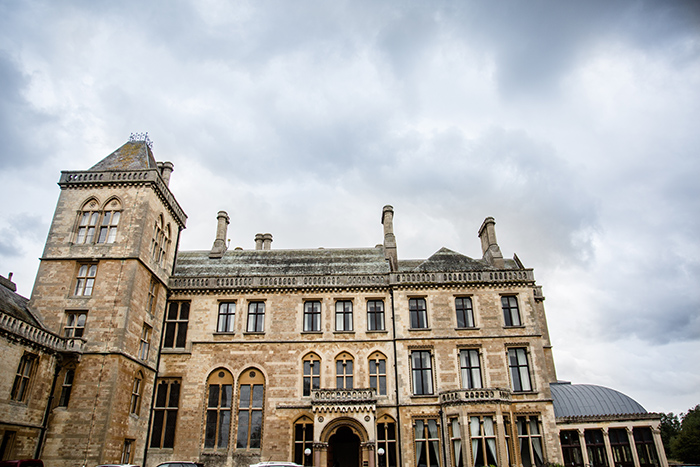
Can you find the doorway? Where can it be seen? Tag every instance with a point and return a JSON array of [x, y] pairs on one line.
[[344, 448]]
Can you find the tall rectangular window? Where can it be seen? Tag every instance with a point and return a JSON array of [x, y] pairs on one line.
[[470, 368], [145, 344], [427, 440], [152, 297], [386, 439], [419, 314], [135, 405], [218, 416], [377, 374], [344, 372], [646, 449], [530, 441], [75, 324], [312, 316], [176, 322], [165, 414], [227, 313], [343, 315], [303, 440], [595, 447], [108, 228], [483, 437], [620, 447], [128, 451], [66, 388], [25, 370], [312, 374], [85, 280], [465, 312], [571, 448], [375, 315], [250, 416], [519, 370], [422, 371], [256, 317], [86, 227], [511, 313], [456, 443]]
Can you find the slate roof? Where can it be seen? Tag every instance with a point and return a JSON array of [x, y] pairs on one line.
[[16, 305], [134, 155], [283, 262], [447, 260], [588, 400]]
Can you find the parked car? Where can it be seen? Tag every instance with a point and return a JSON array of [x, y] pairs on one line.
[[181, 464], [22, 463], [275, 464]]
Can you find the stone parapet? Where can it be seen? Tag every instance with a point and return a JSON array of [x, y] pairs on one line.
[[149, 176], [17, 329], [343, 400]]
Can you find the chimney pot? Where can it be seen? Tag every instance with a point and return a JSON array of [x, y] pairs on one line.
[[220, 247]]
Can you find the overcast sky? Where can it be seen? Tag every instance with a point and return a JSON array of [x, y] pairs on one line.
[[576, 125]]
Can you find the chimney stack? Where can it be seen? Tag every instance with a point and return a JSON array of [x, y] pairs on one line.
[[267, 241], [166, 168], [259, 241], [489, 245], [219, 247], [390, 252]]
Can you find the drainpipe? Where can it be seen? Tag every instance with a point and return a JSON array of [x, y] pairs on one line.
[[396, 379], [45, 422]]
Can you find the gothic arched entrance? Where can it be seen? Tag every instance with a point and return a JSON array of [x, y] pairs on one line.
[[344, 448]]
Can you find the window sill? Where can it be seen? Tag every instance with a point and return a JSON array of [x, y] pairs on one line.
[[344, 332], [311, 332], [419, 329], [474, 328], [380, 331], [176, 351], [519, 326], [424, 396], [254, 333], [224, 333]]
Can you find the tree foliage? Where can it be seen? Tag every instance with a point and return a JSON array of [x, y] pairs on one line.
[[685, 446], [670, 426]]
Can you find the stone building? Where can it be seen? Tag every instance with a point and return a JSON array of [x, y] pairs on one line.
[[141, 353]]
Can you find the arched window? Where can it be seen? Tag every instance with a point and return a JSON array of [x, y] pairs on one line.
[[312, 373], [164, 245], [303, 440], [110, 221], [135, 407], [219, 396], [157, 240], [251, 395], [386, 440], [344, 371], [87, 222], [377, 373]]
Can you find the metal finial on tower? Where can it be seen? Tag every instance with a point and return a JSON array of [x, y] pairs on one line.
[[134, 137]]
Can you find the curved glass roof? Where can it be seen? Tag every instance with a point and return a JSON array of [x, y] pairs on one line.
[[577, 400]]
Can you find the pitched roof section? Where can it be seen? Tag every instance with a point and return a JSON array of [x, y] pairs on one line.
[[134, 155], [588, 400], [351, 261], [15, 305], [447, 260]]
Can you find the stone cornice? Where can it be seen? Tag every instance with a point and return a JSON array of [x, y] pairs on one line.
[[376, 281], [608, 418], [70, 179]]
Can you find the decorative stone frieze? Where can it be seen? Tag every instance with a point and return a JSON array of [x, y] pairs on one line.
[[343, 400], [471, 396]]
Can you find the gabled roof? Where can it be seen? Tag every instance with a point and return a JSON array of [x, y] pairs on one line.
[[134, 155], [446, 260], [331, 261], [588, 400]]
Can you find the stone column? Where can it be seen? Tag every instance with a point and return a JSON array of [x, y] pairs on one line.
[[633, 446], [608, 449], [582, 442], [320, 454], [367, 454]]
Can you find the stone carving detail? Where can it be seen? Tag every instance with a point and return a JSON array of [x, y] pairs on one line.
[[343, 400], [462, 396]]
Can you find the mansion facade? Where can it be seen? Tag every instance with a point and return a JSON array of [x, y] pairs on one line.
[[132, 351]]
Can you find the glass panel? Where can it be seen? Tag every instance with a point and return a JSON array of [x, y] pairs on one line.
[[242, 439], [256, 429], [210, 433], [213, 396], [224, 424], [245, 396], [257, 396]]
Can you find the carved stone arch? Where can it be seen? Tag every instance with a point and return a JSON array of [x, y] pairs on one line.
[[310, 354], [333, 426], [344, 355], [246, 376], [91, 204], [376, 354], [113, 204], [218, 378]]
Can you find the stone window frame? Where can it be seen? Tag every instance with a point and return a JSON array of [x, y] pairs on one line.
[[510, 305], [374, 314], [421, 371], [76, 321], [344, 315], [228, 326], [312, 315], [515, 368], [256, 320], [85, 278], [380, 376], [467, 312], [166, 406], [344, 371], [303, 439], [66, 388], [418, 312], [466, 368], [309, 377], [97, 224], [253, 378], [136, 389], [218, 410]]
